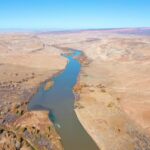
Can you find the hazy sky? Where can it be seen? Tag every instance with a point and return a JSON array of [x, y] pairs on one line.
[[74, 14]]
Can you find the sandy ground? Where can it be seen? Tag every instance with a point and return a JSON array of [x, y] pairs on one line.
[[113, 88], [25, 62]]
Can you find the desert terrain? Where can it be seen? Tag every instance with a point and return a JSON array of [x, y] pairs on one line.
[[113, 87], [25, 62]]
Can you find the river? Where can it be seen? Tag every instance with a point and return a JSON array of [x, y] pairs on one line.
[[59, 100]]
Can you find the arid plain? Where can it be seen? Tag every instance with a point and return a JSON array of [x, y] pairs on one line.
[[113, 87]]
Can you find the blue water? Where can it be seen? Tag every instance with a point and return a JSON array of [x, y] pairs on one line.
[[59, 100]]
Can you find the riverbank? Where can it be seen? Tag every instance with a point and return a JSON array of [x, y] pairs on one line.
[[60, 101], [21, 74], [113, 89]]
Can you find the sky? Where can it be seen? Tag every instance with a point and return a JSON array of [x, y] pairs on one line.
[[74, 14]]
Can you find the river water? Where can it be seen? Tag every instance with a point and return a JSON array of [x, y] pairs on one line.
[[59, 100]]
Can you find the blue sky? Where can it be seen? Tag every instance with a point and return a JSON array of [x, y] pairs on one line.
[[74, 14]]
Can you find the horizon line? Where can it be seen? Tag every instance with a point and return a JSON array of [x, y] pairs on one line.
[[64, 30]]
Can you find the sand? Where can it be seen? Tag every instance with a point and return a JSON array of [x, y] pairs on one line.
[[25, 62], [113, 88]]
